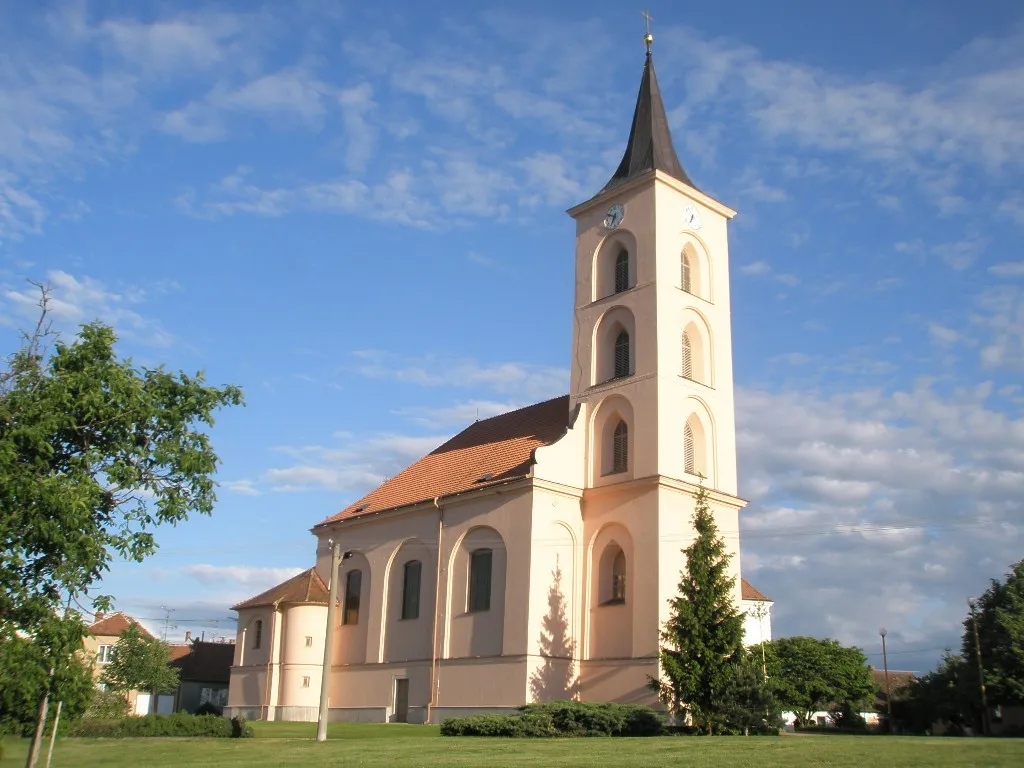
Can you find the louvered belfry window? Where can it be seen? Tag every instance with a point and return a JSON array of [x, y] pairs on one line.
[[685, 283], [620, 448], [687, 357], [622, 354], [688, 459], [622, 271]]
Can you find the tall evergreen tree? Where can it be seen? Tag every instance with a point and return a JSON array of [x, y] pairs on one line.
[[704, 633]]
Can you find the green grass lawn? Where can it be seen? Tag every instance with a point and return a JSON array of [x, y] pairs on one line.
[[355, 744]]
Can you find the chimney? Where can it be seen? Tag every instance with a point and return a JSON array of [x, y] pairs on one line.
[[100, 615], [188, 636]]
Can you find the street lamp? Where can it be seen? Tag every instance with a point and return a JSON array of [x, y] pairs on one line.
[[885, 666]]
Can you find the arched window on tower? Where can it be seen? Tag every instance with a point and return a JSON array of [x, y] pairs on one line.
[[685, 283], [619, 578], [257, 634], [622, 271], [622, 354], [689, 461], [620, 448], [687, 357]]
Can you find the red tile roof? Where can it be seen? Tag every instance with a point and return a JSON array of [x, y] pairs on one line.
[[486, 453], [114, 624], [750, 592], [306, 587]]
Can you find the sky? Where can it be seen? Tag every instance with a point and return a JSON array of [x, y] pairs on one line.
[[357, 213]]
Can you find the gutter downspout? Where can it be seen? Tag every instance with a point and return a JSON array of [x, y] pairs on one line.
[[437, 609]]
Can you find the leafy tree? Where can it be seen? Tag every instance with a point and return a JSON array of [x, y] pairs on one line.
[[944, 695], [139, 662], [704, 632], [25, 672], [1000, 616], [810, 675], [94, 453], [746, 701]]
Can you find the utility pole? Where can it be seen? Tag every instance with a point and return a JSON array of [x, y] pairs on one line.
[[888, 694], [981, 670], [325, 677]]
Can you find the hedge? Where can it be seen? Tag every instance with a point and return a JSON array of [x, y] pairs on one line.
[[562, 718], [179, 724]]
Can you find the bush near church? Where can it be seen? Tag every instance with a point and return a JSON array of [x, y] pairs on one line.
[[561, 718], [178, 724]]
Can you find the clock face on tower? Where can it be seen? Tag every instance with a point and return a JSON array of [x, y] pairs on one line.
[[614, 216], [692, 217]]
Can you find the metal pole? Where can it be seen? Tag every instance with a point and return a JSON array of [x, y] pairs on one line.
[[981, 671], [325, 677], [53, 735], [888, 693]]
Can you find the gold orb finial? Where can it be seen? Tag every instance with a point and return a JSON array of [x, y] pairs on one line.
[[648, 38]]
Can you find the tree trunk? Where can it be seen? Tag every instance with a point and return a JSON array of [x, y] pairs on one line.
[[37, 737]]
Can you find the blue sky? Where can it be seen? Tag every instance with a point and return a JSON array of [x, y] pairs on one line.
[[357, 214]]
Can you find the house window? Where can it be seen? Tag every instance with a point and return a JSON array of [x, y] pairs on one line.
[[257, 634], [411, 590], [103, 654], [687, 356], [622, 271], [309, 641], [619, 578], [689, 462], [620, 448], [622, 355], [686, 280], [353, 586], [480, 580], [305, 681]]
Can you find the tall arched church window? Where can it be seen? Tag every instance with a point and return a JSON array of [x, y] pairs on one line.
[[619, 578], [411, 589], [689, 463], [686, 279], [353, 586], [480, 563], [622, 271], [622, 354], [687, 357], [620, 448]]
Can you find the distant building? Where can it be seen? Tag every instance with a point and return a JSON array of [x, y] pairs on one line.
[[204, 673], [532, 556], [102, 635]]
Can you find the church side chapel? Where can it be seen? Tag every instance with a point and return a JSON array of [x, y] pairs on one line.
[[532, 556]]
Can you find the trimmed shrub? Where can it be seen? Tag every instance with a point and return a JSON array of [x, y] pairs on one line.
[[241, 729], [107, 705], [179, 724], [561, 718]]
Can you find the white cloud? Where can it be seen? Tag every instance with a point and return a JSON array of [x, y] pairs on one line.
[[77, 300], [960, 254], [20, 213], [244, 487], [942, 334], [756, 268], [459, 414], [915, 492], [519, 379], [254, 577], [751, 184], [1014, 208], [1008, 269]]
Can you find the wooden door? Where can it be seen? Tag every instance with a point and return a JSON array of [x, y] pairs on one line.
[[401, 700]]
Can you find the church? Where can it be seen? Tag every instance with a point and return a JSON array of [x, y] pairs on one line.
[[532, 556]]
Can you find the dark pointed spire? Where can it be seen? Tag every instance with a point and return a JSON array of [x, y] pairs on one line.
[[650, 141]]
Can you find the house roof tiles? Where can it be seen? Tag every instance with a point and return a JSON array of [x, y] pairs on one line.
[[488, 452], [114, 624], [750, 592], [306, 587]]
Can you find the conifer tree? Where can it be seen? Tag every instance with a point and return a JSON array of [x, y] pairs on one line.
[[704, 633]]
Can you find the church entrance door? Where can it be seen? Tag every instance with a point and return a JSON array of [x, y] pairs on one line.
[[401, 700]]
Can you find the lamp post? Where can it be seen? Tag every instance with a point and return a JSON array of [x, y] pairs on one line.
[[325, 673], [888, 697]]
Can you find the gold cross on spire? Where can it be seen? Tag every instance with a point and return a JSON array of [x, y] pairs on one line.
[[648, 38]]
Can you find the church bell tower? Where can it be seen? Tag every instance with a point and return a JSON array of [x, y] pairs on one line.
[[652, 373]]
